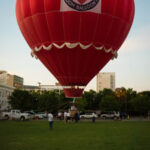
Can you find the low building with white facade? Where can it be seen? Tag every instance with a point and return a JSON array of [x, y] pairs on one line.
[[43, 87], [5, 92], [50, 87]]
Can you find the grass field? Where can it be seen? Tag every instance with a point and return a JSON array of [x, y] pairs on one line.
[[109, 135]]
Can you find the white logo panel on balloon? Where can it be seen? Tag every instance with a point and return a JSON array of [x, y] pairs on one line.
[[81, 5]]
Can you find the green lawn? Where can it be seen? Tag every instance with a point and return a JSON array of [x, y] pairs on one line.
[[109, 135]]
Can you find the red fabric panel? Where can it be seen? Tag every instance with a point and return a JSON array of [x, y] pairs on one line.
[[41, 27], [56, 27], [52, 5], [72, 25], [32, 32], [119, 8], [37, 7], [73, 92], [88, 27], [47, 59], [102, 31], [26, 33], [25, 8]]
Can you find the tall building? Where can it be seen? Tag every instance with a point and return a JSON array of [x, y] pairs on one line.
[[105, 80], [11, 80]]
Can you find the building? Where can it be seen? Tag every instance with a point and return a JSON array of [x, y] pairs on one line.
[[31, 88], [43, 87], [51, 87], [4, 78], [105, 80], [5, 92], [11, 80]]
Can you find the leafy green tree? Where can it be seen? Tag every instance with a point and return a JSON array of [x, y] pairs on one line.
[[106, 100], [21, 100], [35, 99], [81, 103], [97, 100], [124, 96], [64, 103], [48, 100], [146, 93], [130, 94], [89, 97], [109, 103], [107, 92], [141, 104]]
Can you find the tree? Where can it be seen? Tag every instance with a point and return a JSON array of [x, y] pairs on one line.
[[106, 100], [124, 96], [97, 100], [89, 97], [64, 103], [21, 100], [49, 101], [35, 99], [109, 103], [81, 103], [130, 94], [141, 104], [107, 92]]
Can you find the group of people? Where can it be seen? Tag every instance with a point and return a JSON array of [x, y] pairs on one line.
[[67, 117], [71, 116]]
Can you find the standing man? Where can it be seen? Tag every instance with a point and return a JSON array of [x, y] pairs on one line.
[[50, 120], [65, 117], [68, 116], [93, 117]]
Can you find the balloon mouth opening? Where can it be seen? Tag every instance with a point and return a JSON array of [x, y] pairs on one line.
[[73, 91]]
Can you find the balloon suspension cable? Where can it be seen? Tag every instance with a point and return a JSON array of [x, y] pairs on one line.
[[74, 99]]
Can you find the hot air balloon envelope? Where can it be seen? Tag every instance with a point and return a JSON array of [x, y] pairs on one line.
[[75, 39]]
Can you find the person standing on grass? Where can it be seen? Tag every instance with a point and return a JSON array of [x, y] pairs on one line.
[[65, 117], [68, 117], [93, 117], [50, 120]]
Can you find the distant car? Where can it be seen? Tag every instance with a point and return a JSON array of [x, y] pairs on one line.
[[40, 115], [44, 114], [110, 115], [88, 115], [16, 114], [31, 113]]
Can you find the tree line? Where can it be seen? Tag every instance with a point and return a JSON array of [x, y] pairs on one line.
[[123, 100]]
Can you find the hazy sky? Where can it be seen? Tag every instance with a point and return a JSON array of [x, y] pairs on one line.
[[131, 67]]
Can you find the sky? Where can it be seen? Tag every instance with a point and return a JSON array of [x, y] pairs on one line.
[[131, 67]]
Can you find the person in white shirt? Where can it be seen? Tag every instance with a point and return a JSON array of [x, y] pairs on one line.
[[50, 120], [93, 117], [59, 115], [68, 117], [65, 116]]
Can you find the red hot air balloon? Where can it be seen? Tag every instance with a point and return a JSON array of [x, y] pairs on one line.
[[75, 39]]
